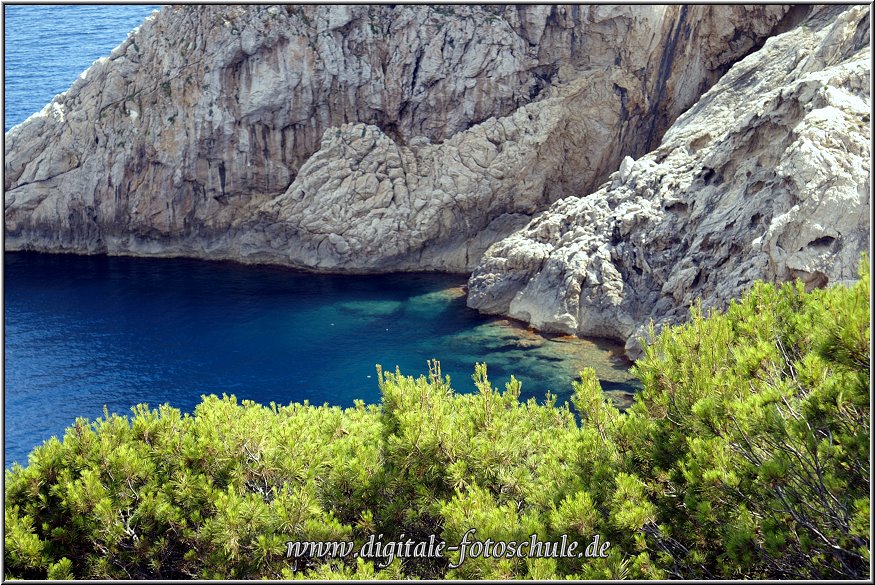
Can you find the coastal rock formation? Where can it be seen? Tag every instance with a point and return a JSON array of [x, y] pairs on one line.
[[356, 138], [766, 177]]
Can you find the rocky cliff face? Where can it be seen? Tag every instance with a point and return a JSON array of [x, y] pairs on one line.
[[766, 177], [357, 138]]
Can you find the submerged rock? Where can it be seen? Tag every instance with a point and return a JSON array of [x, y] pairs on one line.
[[356, 138], [766, 177], [385, 138]]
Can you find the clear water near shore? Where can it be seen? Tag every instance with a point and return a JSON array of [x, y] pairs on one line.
[[83, 332]]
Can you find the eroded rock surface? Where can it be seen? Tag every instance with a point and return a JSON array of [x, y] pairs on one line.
[[766, 177], [356, 138]]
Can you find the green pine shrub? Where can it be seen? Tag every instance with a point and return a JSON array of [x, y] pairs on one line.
[[745, 456]]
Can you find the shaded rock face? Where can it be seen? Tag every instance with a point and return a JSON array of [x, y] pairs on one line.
[[356, 138], [766, 177]]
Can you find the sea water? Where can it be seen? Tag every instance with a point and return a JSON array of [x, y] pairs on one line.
[[82, 333], [48, 47], [87, 331]]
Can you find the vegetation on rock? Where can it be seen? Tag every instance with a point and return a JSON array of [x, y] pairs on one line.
[[745, 456]]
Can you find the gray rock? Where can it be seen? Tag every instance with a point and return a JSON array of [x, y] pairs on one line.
[[766, 177], [356, 138]]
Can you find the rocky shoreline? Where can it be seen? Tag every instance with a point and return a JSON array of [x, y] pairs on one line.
[[767, 177], [473, 140]]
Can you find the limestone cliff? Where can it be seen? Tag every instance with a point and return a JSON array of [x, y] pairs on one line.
[[357, 138], [766, 177]]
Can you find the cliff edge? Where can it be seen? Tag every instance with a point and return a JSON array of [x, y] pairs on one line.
[[356, 138], [766, 177], [460, 138]]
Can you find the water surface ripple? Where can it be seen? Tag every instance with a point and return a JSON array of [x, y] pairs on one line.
[[87, 331], [47, 47]]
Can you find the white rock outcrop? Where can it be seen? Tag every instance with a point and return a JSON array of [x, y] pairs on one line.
[[356, 138], [766, 177]]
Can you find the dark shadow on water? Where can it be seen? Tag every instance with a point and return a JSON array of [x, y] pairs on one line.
[[87, 331], [630, 387]]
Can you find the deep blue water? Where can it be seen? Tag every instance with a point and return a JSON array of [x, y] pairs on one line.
[[83, 332], [47, 47]]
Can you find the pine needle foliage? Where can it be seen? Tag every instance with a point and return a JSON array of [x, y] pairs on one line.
[[745, 456]]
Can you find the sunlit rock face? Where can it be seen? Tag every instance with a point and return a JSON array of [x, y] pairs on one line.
[[766, 177], [357, 138]]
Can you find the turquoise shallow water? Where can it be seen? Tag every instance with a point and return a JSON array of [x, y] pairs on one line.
[[83, 332]]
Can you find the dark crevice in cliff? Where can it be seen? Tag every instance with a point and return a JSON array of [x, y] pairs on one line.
[[658, 98], [795, 15], [416, 63], [861, 37]]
